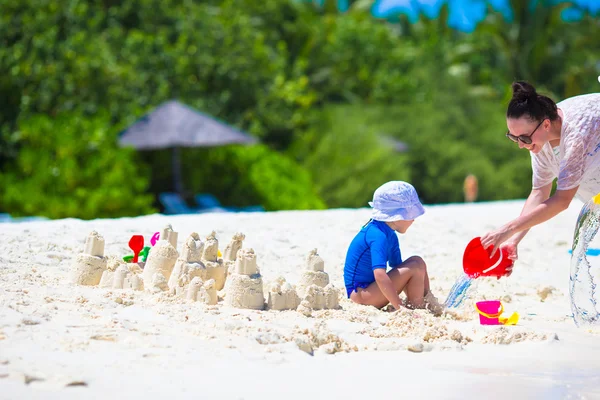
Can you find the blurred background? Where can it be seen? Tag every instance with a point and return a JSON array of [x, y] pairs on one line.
[[121, 108]]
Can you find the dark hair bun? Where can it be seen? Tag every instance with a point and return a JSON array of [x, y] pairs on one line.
[[523, 91], [527, 102]]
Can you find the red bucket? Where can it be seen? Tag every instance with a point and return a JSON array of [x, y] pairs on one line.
[[477, 261]]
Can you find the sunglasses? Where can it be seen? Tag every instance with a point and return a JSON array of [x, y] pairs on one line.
[[523, 138]]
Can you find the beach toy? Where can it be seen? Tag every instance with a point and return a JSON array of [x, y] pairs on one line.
[[136, 243], [477, 261], [589, 252], [490, 312], [155, 238]]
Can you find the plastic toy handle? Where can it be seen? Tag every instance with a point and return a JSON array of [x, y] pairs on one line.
[[155, 238], [490, 315], [136, 243], [485, 271]]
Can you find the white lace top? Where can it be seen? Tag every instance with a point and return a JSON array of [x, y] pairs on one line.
[[576, 161]]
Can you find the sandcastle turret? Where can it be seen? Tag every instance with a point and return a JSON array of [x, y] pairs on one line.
[[244, 287], [119, 275], [204, 292], [282, 296], [189, 265], [89, 265], [230, 252], [167, 233], [161, 259], [215, 268], [314, 273]]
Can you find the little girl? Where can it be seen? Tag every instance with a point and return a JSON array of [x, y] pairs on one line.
[[395, 207]]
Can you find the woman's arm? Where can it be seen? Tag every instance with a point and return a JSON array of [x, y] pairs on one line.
[[540, 213], [536, 197], [387, 287]]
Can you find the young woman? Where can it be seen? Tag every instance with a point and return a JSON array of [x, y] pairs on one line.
[[564, 142]]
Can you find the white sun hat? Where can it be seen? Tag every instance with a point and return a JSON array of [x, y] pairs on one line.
[[395, 201]]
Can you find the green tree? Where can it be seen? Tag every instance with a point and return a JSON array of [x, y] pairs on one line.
[[69, 166]]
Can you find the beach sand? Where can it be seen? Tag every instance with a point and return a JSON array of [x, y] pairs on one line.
[[59, 340]]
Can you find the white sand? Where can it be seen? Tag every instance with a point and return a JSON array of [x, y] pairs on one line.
[[61, 341]]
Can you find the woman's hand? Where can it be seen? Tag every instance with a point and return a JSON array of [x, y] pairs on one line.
[[495, 239], [511, 250]]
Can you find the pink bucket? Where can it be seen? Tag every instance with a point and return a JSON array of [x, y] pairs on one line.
[[489, 311]]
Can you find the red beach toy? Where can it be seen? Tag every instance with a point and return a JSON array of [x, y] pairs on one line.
[[136, 243], [477, 261]]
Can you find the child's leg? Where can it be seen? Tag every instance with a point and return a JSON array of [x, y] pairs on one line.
[[431, 301], [408, 277], [415, 289]]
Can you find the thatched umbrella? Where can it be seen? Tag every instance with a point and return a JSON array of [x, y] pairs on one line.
[[175, 125]]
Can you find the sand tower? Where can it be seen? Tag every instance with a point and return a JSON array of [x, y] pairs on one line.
[[314, 273], [119, 275], [244, 287], [204, 292], [189, 264], [282, 296], [161, 260], [230, 252], [89, 265], [215, 268], [319, 298]]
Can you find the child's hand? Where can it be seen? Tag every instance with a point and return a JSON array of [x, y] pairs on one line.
[[391, 308]]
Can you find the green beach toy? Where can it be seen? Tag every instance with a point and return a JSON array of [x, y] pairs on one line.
[[143, 255]]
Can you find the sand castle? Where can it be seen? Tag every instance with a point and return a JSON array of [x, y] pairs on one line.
[[314, 288], [120, 275], [314, 273], [169, 235], [89, 265], [189, 265], [282, 296], [318, 298], [230, 252], [244, 286], [161, 260], [205, 292], [215, 268]]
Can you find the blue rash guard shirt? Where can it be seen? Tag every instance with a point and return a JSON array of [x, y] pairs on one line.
[[373, 247]]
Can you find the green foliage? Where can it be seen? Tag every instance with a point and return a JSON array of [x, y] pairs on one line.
[[351, 159], [69, 166], [250, 175], [312, 83]]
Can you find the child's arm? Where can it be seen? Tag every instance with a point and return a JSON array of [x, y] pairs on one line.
[[387, 287]]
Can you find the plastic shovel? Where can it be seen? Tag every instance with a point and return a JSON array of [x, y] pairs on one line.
[[136, 243]]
